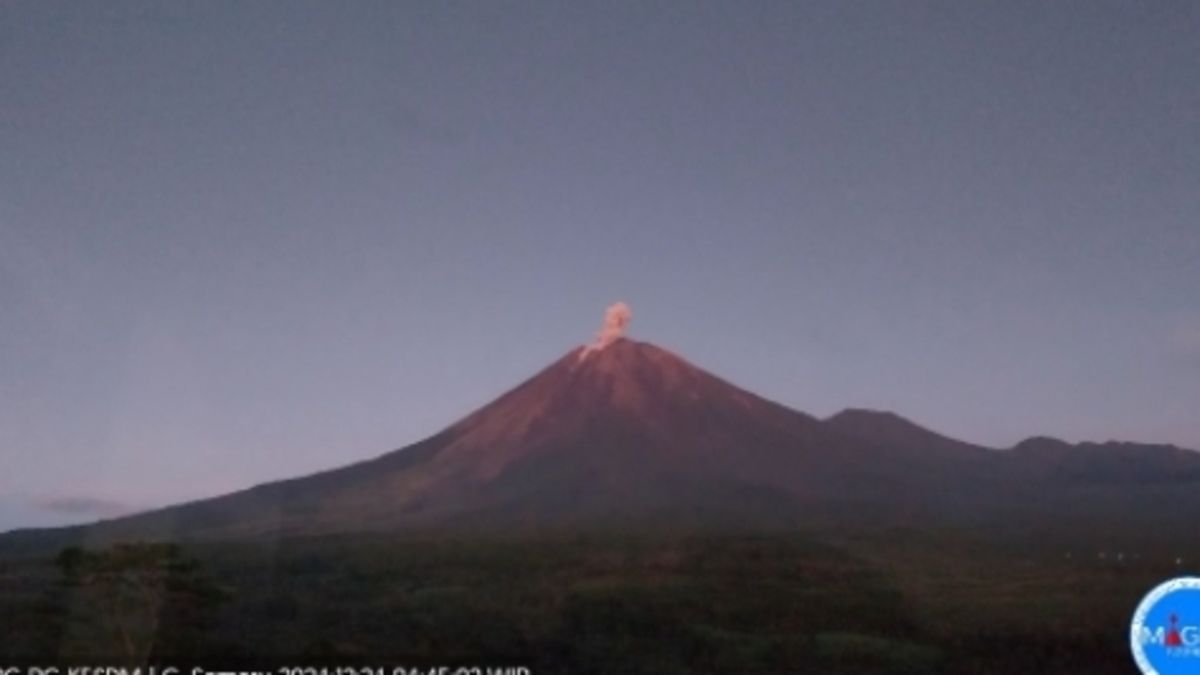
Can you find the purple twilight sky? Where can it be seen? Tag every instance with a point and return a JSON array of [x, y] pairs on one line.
[[246, 241]]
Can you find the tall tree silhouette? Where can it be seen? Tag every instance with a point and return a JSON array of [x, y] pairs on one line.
[[135, 602]]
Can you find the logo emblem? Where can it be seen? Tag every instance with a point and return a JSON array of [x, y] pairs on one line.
[[1165, 633]]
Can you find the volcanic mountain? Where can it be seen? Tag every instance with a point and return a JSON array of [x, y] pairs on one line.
[[626, 430]]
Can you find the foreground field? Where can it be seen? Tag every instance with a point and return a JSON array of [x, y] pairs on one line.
[[892, 602]]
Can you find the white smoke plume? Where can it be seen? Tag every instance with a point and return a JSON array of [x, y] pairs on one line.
[[616, 320]]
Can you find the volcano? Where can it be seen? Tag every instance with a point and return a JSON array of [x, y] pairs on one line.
[[625, 430]]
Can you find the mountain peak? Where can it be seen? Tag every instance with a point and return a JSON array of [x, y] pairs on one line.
[[624, 354], [1042, 444], [861, 414], [898, 433]]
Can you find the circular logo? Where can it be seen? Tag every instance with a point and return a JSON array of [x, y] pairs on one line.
[[1165, 633]]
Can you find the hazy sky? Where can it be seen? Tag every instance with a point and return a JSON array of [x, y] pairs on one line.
[[244, 241]]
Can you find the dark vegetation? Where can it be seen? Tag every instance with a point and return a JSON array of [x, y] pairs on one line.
[[888, 602]]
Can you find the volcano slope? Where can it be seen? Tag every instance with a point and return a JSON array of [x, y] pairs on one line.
[[634, 434]]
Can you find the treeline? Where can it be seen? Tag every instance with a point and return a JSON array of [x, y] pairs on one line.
[[708, 604]]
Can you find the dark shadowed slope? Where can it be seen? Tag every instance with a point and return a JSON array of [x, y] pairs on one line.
[[634, 431]]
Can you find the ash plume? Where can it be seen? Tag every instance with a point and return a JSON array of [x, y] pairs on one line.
[[616, 320]]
